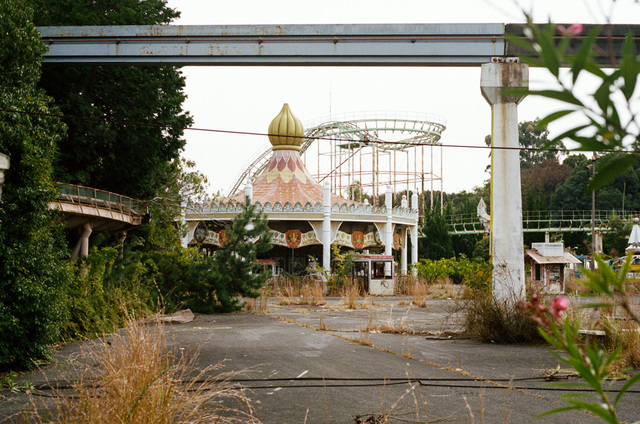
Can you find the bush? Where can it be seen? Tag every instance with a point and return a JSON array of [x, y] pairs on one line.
[[476, 274], [498, 321]]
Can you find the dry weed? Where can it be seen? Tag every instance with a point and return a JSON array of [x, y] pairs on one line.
[[419, 293], [131, 377], [350, 296]]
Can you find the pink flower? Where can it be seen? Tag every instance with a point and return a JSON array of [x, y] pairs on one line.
[[558, 306], [573, 29]]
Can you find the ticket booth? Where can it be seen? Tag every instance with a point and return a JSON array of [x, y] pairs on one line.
[[369, 272]]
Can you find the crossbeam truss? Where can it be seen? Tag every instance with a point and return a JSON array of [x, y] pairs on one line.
[[541, 221]]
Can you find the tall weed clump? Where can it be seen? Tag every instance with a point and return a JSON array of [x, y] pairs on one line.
[[497, 320], [134, 378]]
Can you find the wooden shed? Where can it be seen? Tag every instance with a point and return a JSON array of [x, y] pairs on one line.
[[548, 262]]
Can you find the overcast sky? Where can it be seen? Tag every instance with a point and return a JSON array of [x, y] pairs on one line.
[[248, 98]]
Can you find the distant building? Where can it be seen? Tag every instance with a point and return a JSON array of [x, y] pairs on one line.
[[306, 219], [548, 262]]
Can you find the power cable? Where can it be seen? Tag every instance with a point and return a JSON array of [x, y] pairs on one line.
[[250, 133]]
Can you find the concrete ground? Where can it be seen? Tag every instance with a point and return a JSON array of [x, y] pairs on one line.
[[309, 364]]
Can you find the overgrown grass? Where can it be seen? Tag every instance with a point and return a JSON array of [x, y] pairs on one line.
[[297, 291], [350, 294], [497, 321], [133, 378]]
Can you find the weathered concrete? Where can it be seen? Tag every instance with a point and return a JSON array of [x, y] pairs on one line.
[[506, 202], [459, 377]]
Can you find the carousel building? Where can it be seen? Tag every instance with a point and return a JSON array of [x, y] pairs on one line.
[[306, 219]]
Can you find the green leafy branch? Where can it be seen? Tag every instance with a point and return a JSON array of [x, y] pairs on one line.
[[609, 120]]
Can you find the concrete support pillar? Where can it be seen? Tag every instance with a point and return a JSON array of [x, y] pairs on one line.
[[122, 236], [4, 165], [82, 246], [326, 228], [388, 230], [506, 202], [414, 235]]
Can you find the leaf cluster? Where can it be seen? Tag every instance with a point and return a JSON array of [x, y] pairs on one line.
[[609, 120]]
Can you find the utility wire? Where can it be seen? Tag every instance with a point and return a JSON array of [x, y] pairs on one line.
[[220, 131]]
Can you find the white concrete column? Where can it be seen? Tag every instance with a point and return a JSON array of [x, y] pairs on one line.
[[403, 255], [4, 165], [414, 235], [326, 228], [84, 240], [248, 191], [506, 202], [403, 252], [388, 230]]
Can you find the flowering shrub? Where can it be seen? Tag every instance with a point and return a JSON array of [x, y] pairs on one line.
[[591, 362]]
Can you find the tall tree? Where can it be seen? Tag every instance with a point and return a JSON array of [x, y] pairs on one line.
[[437, 243], [135, 120], [539, 183], [534, 144], [622, 193], [33, 274]]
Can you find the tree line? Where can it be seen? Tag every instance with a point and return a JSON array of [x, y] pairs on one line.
[[116, 128]]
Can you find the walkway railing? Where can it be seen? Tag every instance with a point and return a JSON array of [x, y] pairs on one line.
[[539, 221], [75, 194]]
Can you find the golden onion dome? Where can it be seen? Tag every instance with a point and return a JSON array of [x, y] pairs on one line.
[[286, 131]]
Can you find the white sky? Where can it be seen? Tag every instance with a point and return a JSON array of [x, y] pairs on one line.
[[248, 98]]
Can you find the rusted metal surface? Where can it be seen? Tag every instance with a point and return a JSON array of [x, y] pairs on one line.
[[328, 45], [106, 211], [332, 45]]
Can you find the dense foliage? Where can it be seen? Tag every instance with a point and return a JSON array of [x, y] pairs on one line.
[[125, 122], [476, 274], [437, 243], [33, 271]]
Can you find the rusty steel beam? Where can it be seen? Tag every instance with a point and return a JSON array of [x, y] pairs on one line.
[[290, 45], [282, 45]]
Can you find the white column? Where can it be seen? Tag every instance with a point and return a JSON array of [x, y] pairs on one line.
[[388, 230], [403, 255], [506, 202], [403, 252], [414, 234], [326, 228], [248, 191], [84, 246]]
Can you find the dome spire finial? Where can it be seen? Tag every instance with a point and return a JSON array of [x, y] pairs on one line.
[[286, 131]]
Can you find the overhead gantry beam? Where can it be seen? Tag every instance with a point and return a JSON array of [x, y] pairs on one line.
[[291, 45], [282, 45]]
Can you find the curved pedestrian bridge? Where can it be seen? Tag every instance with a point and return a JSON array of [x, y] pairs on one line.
[[105, 211]]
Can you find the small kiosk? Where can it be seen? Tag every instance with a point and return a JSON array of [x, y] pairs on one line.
[[369, 272], [548, 262]]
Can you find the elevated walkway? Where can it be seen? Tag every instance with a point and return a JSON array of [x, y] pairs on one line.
[[105, 211], [541, 221], [88, 209]]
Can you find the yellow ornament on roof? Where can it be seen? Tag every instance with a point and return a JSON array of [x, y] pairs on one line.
[[286, 131]]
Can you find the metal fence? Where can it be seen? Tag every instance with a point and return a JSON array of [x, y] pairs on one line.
[[559, 220]]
